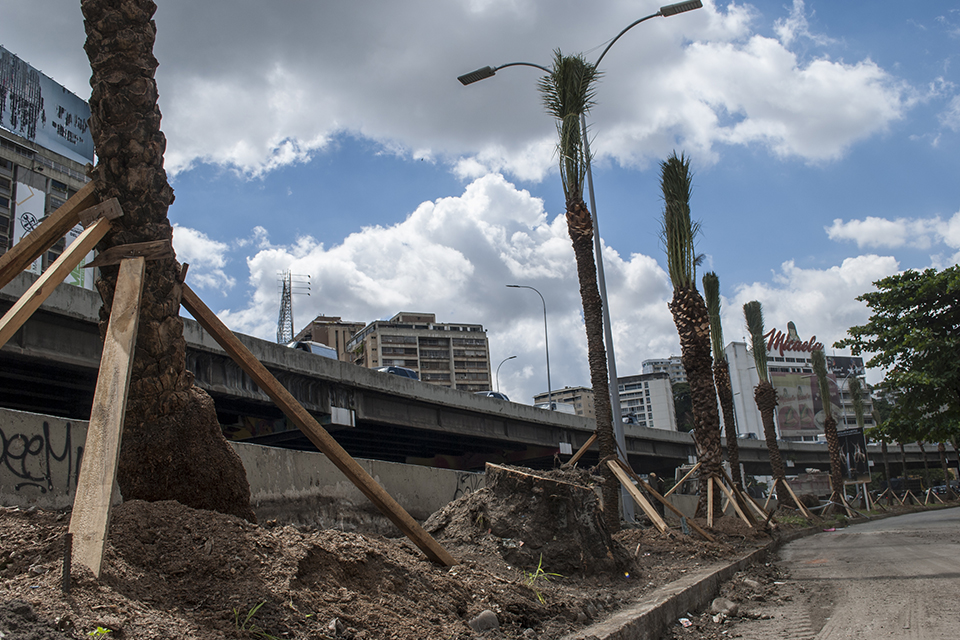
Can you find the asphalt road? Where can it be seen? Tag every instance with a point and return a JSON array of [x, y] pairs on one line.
[[897, 578]]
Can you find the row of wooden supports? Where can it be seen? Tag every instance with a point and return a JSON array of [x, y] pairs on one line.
[[90, 517]]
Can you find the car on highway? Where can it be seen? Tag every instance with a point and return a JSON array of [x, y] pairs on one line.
[[316, 348], [562, 407], [493, 394], [403, 372]]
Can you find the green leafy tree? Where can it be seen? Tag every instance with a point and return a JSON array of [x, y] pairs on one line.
[[690, 315], [721, 374], [568, 94]]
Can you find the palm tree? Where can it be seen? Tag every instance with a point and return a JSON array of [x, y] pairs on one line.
[[172, 447], [690, 316], [764, 394], [568, 93], [829, 425], [721, 374]]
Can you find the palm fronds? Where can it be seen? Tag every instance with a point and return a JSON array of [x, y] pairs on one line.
[[753, 313], [711, 294], [678, 233]]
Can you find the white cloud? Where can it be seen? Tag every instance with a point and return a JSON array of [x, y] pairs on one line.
[[950, 117], [919, 233], [206, 257], [796, 26]]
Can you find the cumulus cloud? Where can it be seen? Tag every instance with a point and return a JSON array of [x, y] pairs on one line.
[[206, 257], [919, 233]]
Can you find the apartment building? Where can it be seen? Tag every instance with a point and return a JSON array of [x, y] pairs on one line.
[[333, 332], [581, 398], [672, 366], [446, 354], [647, 400]]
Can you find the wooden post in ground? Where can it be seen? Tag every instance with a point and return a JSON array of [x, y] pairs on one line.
[[663, 499], [806, 513], [733, 501], [637, 496], [682, 480], [90, 518], [710, 502], [312, 429]]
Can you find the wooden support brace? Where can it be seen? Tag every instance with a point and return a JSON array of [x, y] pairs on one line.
[[806, 513], [54, 227], [90, 518], [312, 429], [733, 501], [154, 250], [682, 480], [710, 502], [663, 499], [41, 289], [637, 496], [582, 450], [741, 498]]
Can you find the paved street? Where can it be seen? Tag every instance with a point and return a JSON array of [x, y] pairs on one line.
[[896, 578]]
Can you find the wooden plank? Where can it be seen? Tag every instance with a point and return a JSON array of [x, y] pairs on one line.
[[153, 250], [54, 227], [312, 429], [647, 487], [682, 480], [806, 513], [637, 496], [710, 482], [40, 290], [733, 501], [582, 450], [90, 518], [742, 499]]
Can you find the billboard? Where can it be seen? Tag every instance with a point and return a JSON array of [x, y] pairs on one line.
[[853, 455], [27, 214], [845, 366], [37, 108]]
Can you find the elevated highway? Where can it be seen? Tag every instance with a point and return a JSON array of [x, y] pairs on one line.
[[50, 366]]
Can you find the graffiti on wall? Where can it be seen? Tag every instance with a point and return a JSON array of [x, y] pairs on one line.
[[467, 483], [39, 462]]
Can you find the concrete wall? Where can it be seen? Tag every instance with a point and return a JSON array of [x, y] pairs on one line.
[[40, 461]]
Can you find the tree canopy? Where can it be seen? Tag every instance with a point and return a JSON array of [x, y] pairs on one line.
[[914, 333]]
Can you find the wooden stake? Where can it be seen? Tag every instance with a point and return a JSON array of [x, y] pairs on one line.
[[743, 499], [54, 227], [312, 429], [90, 518], [733, 501], [806, 513], [682, 480], [666, 503], [637, 496], [710, 502], [40, 290], [582, 450]]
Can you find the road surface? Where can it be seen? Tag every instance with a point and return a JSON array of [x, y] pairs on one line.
[[892, 579]]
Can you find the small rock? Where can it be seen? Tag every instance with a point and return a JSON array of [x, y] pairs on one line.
[[581, 617], [750, 582], [485, 620], [335, 627], [724, 606], [592, 611]]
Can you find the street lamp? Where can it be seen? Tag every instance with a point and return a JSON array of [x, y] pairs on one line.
[[546, 344], [487, 72], [498, 371]]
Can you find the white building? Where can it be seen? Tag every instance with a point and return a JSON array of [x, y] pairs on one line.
[[672, 366], [647, 400]]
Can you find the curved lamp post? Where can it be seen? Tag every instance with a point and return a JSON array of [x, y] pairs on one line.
[[498, 371], [488, 72], [546, 344]]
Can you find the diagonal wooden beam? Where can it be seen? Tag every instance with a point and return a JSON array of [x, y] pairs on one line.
[[649, 489], [312, 429], [637, 496], [53, 227], [90, 518], [40, 290]]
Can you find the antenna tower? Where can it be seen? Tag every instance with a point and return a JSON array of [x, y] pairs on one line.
[[289, 284]]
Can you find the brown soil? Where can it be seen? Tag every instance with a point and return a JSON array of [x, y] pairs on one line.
[[170, 571]]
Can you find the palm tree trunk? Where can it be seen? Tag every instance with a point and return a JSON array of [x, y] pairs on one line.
[[766, 398], [721, 376], [942, 450], [693, 326], [926, 467], [886, 469], [833, 447], [580, 228], [172, 447], [903, 465]]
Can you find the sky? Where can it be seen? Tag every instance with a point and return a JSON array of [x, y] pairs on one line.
[[332, 140]]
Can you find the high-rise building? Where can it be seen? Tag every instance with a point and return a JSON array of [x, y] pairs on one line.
[[672, 366], [580, 398], [44, 145], [446, 354], [333, 332], [647, 400]]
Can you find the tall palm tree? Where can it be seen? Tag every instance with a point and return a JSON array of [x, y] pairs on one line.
[[721, 374], [764, 394], [172, 446], [829, 424], [690, 315], [568, 93]]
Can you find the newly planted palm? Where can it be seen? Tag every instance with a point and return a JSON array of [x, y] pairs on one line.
[[690, 316], [764, 394], [721, 374], [568, 92], [829, 424]]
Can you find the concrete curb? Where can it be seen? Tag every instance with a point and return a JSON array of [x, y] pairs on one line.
[[648, 619]]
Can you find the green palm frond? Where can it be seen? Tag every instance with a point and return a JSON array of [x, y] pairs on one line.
[[753, 313], [819, 361], [568, 92], [711, 294], [856, 394], [678, 233]]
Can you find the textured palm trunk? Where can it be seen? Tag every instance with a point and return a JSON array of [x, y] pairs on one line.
[[766, 398], [721, 376], [903, 465], [886, 469], [693, 326], [833, 447], [942, 450], [580, 228], [172, 446]]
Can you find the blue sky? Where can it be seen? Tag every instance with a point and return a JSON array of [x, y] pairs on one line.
[[332, 139]]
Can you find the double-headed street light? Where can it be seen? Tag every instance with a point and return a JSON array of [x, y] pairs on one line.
[[488, 72]]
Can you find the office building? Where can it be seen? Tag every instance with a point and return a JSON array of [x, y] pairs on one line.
[[672, 366], [580, 398], [646, 400], [333, 332]]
